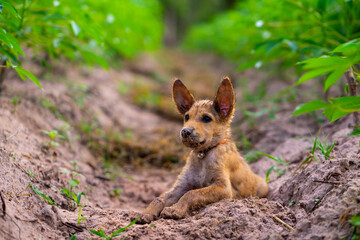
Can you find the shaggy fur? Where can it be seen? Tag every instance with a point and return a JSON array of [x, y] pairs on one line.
[[214, 169]]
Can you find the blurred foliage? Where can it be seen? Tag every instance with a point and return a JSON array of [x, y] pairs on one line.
[[76, 29], [344, 59], [182, 14], [285, 31]]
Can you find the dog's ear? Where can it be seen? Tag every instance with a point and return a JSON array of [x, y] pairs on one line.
[[225, 99], [182, 97]]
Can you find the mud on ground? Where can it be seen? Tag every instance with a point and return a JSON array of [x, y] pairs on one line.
[[124, 151]]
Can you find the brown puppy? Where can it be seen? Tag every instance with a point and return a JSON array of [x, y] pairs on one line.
[[214, 169]]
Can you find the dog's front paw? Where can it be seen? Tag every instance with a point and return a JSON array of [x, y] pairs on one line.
[[143, 218], [173, 213]]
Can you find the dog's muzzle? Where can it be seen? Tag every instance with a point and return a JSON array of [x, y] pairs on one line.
[[186, 132]]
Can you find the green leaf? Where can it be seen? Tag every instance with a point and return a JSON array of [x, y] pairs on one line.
[[25, 73], [333, 114], [268, 172], [78, 197], [117, 232], [10, 8], [325, 62], [310, 107], [314, 73], [37, 191], [247, 65], [11, 57], [15, 44], [73, 182], [91, 58], [291, 44], [271, 45], [342, 106], [75, 27], [11, 42], [315, 143], [349, 49], [355, 132], [333, 77], [273, 158], [347, 104], [355, 220], [99, 233]]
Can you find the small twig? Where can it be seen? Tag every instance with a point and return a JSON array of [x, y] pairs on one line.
[[323, 181], [71, 225], [3, 205], [103, 178], [12, 135], [282, 222]]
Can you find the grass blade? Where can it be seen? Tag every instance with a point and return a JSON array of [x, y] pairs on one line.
[[268, 173], [273, 158], [38, 192], [117, 232]]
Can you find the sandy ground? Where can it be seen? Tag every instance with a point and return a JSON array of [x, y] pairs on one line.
[[313, 203]]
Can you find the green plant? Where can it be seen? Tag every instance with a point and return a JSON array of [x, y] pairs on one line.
[[72, 236], [16, 102], [356, 131], [343, 60], [53, 135], [355, 222], [49, 105], [310, 157], [275, 166], [79, 92], [116, 193], [80, 207], [292, 203], [75, 165], [69, 192], [85, 30], [74, 197], [309, 28], [118, 232], [46, 198], [30, 173], [325, 147]]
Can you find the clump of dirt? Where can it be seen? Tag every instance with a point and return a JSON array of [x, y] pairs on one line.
[[250, 218], [109, 136]]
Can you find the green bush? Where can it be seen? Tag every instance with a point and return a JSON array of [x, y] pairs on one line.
[[287, 32], [281, 31], [77, 29], [344, 59]]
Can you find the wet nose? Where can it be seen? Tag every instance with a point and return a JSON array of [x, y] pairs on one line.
[[185, 132]]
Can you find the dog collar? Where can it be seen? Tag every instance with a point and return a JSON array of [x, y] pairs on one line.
[[202, 154]]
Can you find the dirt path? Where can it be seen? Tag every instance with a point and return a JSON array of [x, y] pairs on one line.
[[102, 116]]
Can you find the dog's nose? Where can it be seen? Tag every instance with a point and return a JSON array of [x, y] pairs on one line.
[[186, 132]]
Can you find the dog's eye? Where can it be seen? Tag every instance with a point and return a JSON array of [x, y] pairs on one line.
[[206, 119], [187, 117]]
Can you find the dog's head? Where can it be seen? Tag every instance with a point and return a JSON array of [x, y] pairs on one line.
[[206, 123]]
